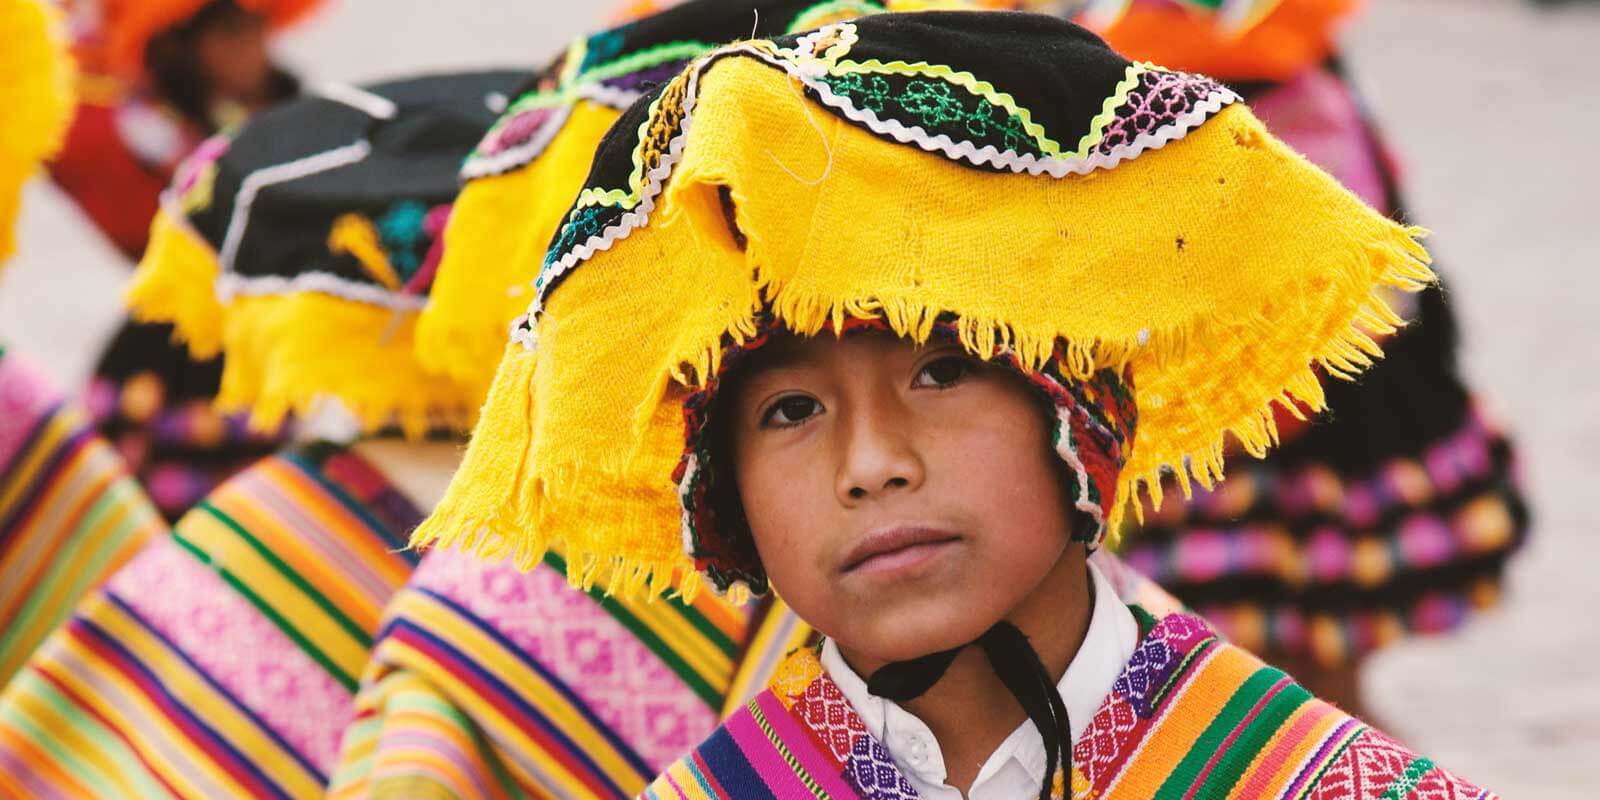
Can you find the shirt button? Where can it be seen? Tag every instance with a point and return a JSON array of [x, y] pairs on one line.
[[919, 751]]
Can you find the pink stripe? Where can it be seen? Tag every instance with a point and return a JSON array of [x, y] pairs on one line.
[[820, 763], [1257, 785], [244, 652], [263, 489], [1341, 734], [1239, 729], [765, 759]]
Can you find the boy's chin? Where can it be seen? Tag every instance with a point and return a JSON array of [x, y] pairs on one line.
[[908, 632]]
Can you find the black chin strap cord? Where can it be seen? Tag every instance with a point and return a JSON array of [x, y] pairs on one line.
[[1018, 666]]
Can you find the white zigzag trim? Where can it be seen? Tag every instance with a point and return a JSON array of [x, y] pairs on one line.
[[234, 285], [640, 216], [989, 155], [618, 99], [522, 154]]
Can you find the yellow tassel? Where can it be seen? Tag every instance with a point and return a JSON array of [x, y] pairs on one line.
[[287, 352], [37, 95], [355, 235], [176, 283]]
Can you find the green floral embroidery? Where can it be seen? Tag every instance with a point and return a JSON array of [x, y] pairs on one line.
[[935, 106]]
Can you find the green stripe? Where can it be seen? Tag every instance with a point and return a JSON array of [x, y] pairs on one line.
[[349, 625], [1408, 780], [712, 695], [85, 726], [644, 59], [1188, 770], [81, 572], [783, 750], [1233, 764], [1183, 669], [346, 680]]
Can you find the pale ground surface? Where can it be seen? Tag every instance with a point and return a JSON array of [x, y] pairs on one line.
[[1493, 106]]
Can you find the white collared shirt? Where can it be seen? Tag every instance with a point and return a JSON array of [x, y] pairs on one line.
[[1017, 768]]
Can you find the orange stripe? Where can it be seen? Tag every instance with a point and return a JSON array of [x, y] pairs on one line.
[[40, 763], [1186, 716], [1277, 763]]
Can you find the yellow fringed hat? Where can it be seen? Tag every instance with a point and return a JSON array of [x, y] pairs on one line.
[[37, 96], [1131, 238], [303, 247], [520, 180]]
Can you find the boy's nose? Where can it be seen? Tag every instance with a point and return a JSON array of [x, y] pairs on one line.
[[878, 455]]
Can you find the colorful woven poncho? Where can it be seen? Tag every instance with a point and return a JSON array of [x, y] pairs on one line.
[[1189, 716], [304, 246], [948, 169]]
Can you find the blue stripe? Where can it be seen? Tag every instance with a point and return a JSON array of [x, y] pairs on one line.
[[260, 724], [731, 769]]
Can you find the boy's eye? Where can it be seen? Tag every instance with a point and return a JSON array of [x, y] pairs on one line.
[[943, 373], [791, 410]]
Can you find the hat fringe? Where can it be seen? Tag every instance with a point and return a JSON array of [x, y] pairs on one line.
[[176, 283], [277, 364], [1359, 311]]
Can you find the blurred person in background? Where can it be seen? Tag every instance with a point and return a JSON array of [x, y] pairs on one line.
[[70, 513], [221, 661], [1394, 513], [159, 77]]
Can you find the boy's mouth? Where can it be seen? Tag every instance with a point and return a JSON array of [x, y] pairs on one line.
[[897, 549]]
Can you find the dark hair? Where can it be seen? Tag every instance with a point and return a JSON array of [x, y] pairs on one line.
[[173, 65]]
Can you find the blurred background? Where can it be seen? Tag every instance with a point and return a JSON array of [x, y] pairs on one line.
[[1493, 109]]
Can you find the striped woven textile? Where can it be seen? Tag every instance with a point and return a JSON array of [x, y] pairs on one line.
[[70, 514], [222, 661], [491, 683], [1190, 717]]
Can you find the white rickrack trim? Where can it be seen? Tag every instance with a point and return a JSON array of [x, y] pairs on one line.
[[373, 105], [989, 155], [598, 92], [640, 215], [522, 154], [524, 333], [281, 173], [235, 285]]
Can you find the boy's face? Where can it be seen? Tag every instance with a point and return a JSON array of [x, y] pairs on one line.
[[902, 499]]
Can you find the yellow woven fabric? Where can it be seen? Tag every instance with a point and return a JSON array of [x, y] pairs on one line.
[[36, 93], [1218, 270], [286, 352], [494, 244]]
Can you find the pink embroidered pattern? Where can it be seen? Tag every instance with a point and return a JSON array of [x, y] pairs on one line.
[[1161, 99], [25, 396], [225, 636], [615, 674]]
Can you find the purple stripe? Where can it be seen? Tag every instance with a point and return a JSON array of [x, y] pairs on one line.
[[1322, 754]]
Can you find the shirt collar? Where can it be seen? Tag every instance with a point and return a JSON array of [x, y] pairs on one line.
[[1108, 643]]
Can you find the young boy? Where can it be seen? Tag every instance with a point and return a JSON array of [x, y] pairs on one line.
[[909, 307]]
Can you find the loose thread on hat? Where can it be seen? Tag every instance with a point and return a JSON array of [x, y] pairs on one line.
[[823, 137]]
